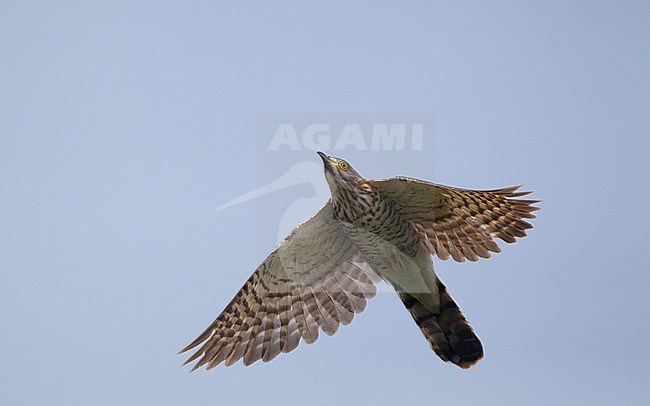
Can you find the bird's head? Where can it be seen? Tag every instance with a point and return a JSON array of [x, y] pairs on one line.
[[341, 175]]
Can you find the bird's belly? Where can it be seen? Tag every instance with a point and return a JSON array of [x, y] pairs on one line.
[[413, 272]]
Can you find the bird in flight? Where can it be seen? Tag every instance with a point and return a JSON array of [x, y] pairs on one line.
[[370, 230]]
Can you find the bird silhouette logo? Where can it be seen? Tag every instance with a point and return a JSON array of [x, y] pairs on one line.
[[299, 173]]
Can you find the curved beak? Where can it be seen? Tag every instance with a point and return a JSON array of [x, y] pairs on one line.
[[324, 157]]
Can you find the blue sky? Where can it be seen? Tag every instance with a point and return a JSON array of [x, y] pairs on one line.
[[124, 125]]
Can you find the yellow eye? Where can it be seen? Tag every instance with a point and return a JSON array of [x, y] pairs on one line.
[[343, 165]]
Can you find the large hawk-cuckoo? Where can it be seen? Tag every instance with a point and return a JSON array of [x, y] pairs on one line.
[[370, 230]]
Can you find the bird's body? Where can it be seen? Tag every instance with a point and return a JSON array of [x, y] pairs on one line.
[[390, 244], [370, 230]]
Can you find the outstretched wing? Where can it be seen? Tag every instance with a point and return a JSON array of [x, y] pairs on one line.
[[314, 279], [457, 222]]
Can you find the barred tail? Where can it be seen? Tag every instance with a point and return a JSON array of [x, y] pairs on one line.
[[448, 332]]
